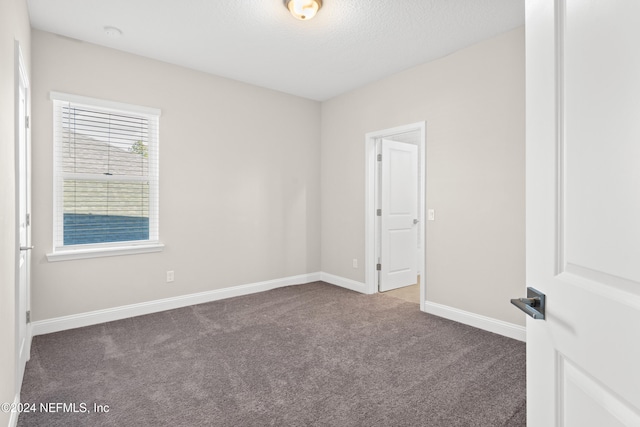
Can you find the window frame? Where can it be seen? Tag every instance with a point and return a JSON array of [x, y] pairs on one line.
[[63, 252]]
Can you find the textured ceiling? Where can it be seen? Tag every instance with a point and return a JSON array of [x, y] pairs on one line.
[[348, 44]]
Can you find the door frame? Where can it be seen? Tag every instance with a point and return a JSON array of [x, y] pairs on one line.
[[21, 79], [372, 177]]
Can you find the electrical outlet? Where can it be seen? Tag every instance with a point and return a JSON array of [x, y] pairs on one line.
[[355, 263], [431, 214], [170, 276]]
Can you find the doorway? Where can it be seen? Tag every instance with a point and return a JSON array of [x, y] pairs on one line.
[[23, 216], [389, 261]]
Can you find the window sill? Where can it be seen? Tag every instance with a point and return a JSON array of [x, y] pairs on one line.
[[104, 252]]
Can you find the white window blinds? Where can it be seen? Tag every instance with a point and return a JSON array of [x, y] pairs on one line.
[[105, 173]]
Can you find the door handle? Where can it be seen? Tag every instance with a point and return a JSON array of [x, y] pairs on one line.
[[533, 305], [531, 302], [415, 221], [26, 248]]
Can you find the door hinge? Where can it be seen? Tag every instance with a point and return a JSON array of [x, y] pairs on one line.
[[27, 122], [378, 267], [28, 219], [379, 212], [379, 157], [29, 316]]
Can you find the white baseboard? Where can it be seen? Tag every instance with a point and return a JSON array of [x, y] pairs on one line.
[[500, 327], [344, 283], [117, 313], [496, 326]]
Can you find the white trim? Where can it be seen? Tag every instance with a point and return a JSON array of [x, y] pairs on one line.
[[97, 252], [344, 283], [13, 418], [21, 81], [112, 105], [371, 178], [117, 313], [496, 326], [22, 69]]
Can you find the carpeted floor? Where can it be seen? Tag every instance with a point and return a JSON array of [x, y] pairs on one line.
[[309, 355]]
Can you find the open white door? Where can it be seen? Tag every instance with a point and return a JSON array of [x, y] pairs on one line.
[[23, 219], [399, 215], [583, 211]]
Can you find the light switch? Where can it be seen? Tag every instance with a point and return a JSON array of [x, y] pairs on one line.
[[431, 213]]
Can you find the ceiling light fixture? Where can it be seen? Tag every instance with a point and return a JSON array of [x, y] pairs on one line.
[[303, 9]]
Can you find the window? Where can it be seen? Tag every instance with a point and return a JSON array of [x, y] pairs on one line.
[[105, 178]]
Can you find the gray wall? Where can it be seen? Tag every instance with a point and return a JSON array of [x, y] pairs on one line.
[[473, 102], [239, 180], [14, 25]]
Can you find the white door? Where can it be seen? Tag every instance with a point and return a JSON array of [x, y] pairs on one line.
[[583, 211], [23, 220], [399, 216]]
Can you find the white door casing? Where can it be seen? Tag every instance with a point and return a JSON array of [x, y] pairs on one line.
[[416, 133], [23, 232], [583, 211], [399, 215]]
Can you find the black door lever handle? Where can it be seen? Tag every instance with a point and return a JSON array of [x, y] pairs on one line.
[[533, 305], [531, 302]]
